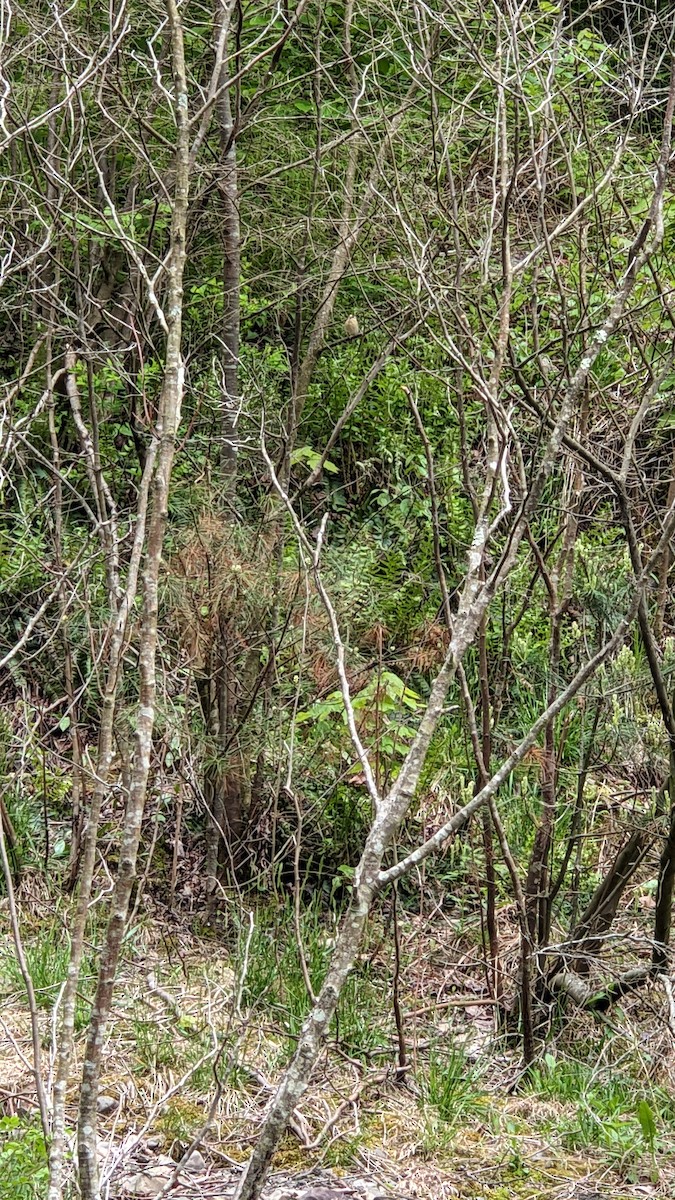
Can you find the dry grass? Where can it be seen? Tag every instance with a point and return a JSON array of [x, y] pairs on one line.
[[173, 1009]]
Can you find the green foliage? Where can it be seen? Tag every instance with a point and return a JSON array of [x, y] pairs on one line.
[[24, 1171], [379, 709], [647, 1124], [274, 980], [47, 958], [158, 1049], [362, 1026], [310, 458], [238, 616], [275, 984], [601, 1109], [452, 1086]]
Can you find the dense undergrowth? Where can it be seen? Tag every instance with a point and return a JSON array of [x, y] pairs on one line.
[[423, 339]]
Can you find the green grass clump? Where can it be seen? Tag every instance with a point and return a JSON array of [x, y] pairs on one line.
[[453, 1087], [275, 983], [605, 1109], [47, 958]]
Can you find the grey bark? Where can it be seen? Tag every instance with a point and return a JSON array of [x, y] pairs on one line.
[[167, 423], [229, 197]]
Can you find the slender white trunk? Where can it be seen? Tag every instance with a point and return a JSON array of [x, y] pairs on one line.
[[168, 419]]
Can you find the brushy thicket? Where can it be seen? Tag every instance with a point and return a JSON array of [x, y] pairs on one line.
[[238, 615]]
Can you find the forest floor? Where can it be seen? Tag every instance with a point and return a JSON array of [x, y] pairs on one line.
[[203, 1028]]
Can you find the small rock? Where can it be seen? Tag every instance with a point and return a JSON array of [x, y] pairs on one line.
[[195, 1163], [325, 1193], [106, 1104], [148, 1184]]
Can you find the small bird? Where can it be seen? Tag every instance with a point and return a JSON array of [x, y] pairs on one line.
[[352, 326]]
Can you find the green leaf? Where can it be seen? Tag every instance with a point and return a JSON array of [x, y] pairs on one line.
[[647, 1123], [323, 708], [310, 459]]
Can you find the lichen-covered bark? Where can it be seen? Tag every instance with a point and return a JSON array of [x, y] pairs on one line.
[[168, 419]]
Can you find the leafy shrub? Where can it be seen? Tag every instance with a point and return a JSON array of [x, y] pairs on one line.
[[23, 1161]]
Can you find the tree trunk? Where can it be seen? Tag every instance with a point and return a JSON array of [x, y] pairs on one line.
[[229, 200], [666, 884], [168, 419]]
